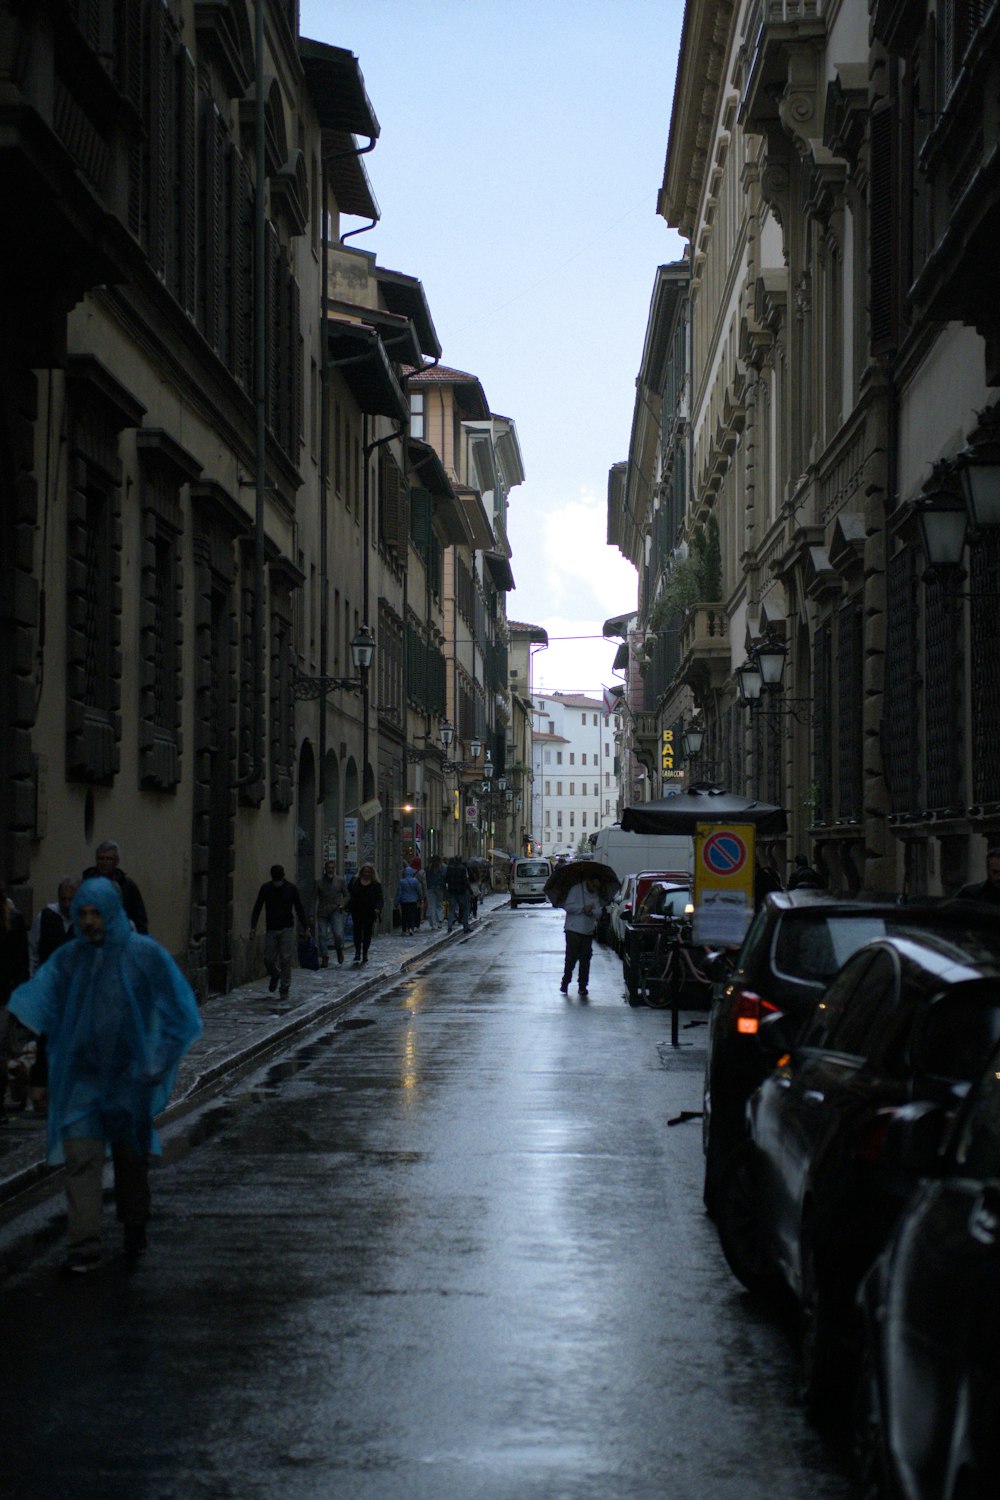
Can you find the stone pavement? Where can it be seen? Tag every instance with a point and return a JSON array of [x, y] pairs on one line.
[[240, 1029]]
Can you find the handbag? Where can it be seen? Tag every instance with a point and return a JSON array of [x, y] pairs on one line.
[[308, 953]]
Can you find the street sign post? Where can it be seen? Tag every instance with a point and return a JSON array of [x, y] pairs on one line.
[[723, 883]]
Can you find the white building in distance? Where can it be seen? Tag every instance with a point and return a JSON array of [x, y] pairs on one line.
[[574, 786]]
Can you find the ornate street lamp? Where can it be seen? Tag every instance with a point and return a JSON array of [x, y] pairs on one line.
[[770, 654], [748, 681], [447, 734]]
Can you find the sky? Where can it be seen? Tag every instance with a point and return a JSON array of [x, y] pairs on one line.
[[520, 155]]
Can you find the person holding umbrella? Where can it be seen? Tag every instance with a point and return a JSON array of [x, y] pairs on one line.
[[581, 889]]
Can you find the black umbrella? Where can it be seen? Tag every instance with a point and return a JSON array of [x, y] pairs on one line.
[[564, 877], [702, 803]]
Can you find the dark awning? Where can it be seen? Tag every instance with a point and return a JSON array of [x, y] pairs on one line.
[[702, 803], [337, 87], [621, 658], [358, 354], [499, 571]]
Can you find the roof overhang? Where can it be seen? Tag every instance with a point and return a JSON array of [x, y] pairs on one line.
[[404, 295], [533, 633], [397, 333], [358, 354], [621, 658], [618, 625], [346, 174], [500, 571], [479, 522], [337, 87], [449, 512]]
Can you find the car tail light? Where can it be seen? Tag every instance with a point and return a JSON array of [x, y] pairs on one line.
[[751, 1009]]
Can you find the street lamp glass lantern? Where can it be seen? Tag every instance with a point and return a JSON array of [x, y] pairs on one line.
[[488, 767], [942, 519], [980, 475], [475, 745], [692, 739], [362, 649], [501, 783], [748, 681], [447, 734], [771, 654]]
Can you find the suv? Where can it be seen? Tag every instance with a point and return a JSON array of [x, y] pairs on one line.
[[796, 944]]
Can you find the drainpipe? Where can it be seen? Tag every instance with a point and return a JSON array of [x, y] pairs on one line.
[[324, 481], [256, 771]]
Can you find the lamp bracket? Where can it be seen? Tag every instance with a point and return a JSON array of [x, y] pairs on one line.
[[305, 687]]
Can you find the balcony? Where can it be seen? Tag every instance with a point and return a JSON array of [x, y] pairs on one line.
[[706, 655]]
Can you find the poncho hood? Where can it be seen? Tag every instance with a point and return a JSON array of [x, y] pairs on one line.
[[104, 894]]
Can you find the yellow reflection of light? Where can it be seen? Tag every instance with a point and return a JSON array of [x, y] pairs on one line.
[[413, 1002]]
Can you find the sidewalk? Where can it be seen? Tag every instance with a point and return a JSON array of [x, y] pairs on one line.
[[240, 1028]]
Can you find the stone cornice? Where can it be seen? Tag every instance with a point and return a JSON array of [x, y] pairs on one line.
[[700, 77]]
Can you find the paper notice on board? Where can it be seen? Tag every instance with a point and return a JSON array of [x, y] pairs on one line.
[[721, 919]]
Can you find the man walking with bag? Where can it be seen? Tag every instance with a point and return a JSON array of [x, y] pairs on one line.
[[331, 898]]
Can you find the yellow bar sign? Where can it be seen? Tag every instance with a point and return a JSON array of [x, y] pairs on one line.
[[667, 751]]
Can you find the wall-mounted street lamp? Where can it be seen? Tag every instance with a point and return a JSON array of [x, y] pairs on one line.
[[692, 739], [362, 651], [761, 680], [958, 503]]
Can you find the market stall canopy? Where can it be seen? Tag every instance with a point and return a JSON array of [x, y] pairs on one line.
[[564, 877], [702, 803]]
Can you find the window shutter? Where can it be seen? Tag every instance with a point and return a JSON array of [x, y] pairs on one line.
[[187, 186], [393, 508]]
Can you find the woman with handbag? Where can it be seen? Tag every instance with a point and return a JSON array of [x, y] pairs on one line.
[[365, 903]]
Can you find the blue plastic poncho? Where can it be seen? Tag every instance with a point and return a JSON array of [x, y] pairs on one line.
[[118, 1018]]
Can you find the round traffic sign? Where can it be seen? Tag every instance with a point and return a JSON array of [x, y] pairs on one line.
[[724, 853]]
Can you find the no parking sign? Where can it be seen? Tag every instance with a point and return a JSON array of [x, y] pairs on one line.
[[723, 882]]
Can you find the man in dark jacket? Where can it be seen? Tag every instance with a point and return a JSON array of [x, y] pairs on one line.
[[989, 889], [106, 863], [456, 879], [282, 904]]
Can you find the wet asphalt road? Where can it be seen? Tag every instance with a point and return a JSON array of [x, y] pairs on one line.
[[449, 1250]]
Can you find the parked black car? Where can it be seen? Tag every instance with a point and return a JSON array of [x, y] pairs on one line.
[[796, 944], [810, 1198], [931, 1316]]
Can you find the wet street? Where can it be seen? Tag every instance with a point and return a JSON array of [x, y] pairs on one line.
[[449, 1249]]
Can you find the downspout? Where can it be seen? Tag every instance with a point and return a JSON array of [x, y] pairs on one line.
[[324, 480], [256, 772]]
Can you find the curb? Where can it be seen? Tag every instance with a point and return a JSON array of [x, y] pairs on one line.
[[211, 1080]]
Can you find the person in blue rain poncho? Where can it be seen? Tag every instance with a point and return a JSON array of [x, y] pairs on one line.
[[118, 1016]]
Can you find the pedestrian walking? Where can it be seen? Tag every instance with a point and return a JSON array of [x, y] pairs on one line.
[[331, 899], [421, 875], [53, 924], [118, 1015], [803, 876], [456, 879], [435, 893], [408, 901], [13, 972], [107, 862], [475, 886], [52, 927], [989, 889], [364, 900], [281, 903], [583, 905]]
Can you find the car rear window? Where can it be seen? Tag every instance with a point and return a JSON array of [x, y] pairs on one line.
[[531, 870], [957, 1035], [814, 945]]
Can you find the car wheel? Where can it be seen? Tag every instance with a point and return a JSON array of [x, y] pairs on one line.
[[820, 1348], [872, 1477], [742, 1234], [513, 904]]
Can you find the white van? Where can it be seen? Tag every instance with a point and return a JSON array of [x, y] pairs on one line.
[[527, 880], [628, 853]]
